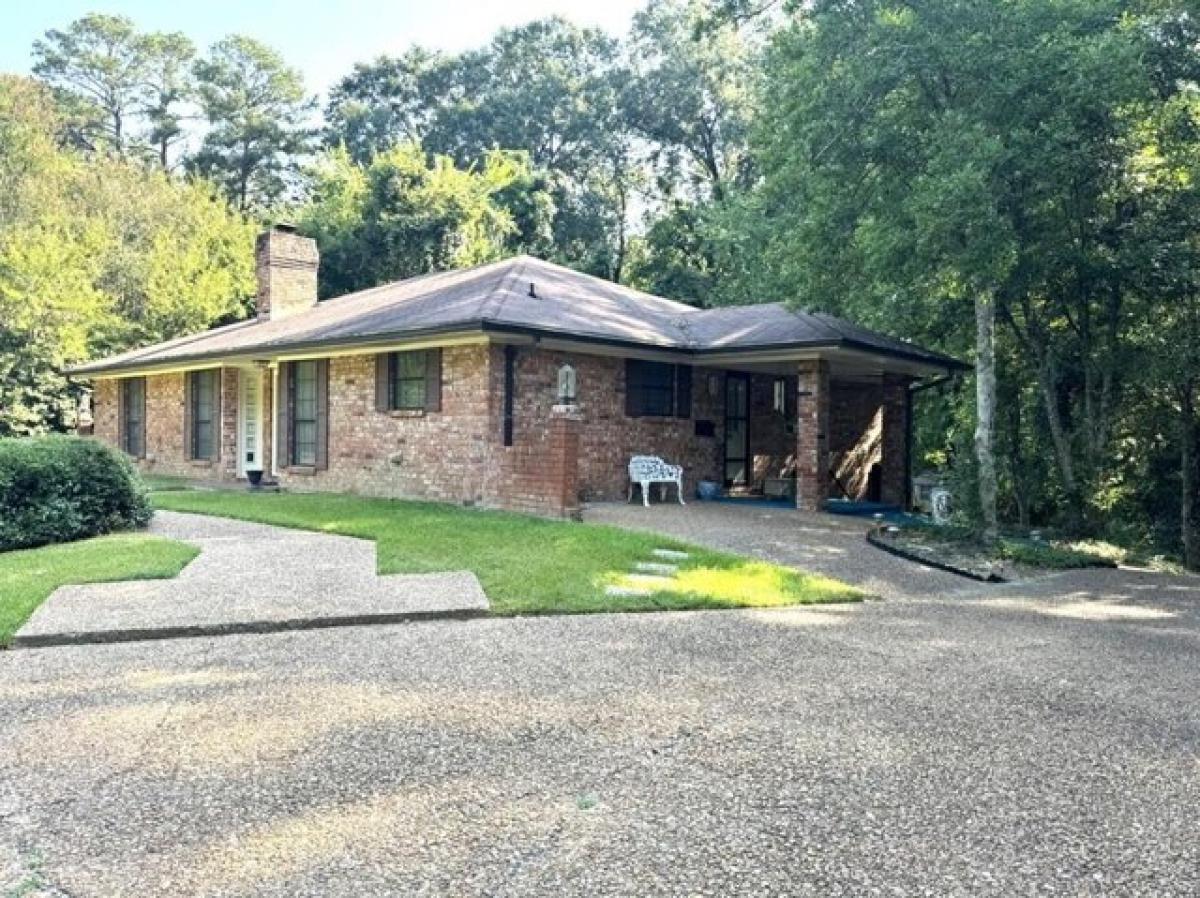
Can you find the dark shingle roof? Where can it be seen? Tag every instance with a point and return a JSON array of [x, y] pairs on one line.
[[496, 297]]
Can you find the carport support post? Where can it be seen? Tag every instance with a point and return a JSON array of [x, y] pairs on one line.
[[812, 435]]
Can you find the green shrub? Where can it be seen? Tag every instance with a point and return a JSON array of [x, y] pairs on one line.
[[56, 489]]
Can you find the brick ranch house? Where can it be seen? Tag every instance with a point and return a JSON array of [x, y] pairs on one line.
[[518, 384]]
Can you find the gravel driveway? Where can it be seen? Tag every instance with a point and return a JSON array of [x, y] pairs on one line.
[[1041, 741]]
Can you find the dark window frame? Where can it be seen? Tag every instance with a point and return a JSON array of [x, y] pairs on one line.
[[294, 412], [657, 389], [201, 448], [417, 359]]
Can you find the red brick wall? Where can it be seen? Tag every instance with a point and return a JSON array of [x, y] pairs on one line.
[[867, 427], [456, 454], [104, 411], [772, 446], [165, 451], [428, 455], [608, 437], [856, 435]]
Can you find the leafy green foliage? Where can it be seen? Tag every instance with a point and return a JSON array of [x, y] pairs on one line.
[[405, 214], [58, 489], [98, 254], [256, 111]]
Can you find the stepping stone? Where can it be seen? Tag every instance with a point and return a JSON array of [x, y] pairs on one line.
[[656, 567], [673, 554]]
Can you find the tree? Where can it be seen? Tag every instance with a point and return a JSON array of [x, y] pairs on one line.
[[98, 254], [256, 111], [100, 61], [691, 95], [406, 214], [959, 152], [548, 89], [168, 84], [384, 103]]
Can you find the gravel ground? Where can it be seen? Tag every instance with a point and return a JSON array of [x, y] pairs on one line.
[[825, 543], [250, 574], [1040, 741]]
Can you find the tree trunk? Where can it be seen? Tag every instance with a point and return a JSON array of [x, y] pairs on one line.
[[1020, 482], [1048, 385], [985, 410], [1187, 476]]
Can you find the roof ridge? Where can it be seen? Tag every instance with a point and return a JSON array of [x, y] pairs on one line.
[[429, 275], [684, 307], [496, 301]]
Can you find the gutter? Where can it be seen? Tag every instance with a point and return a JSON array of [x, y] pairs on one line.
[[488, 326]]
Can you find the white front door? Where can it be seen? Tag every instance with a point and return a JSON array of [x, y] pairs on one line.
[[249, 421]]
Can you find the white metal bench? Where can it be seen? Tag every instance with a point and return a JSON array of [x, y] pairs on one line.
[[647, 469]]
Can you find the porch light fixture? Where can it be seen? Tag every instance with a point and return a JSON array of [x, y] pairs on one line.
[[566, 385]]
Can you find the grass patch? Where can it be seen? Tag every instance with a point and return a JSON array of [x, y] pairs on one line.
[[526, 565], [28, 576], [1014, 547], [1056, 556], [167, 482]]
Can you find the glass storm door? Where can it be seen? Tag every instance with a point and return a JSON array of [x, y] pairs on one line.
[[250, 418], [737, 430]]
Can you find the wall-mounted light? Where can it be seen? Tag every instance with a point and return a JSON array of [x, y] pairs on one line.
[[566, 385]]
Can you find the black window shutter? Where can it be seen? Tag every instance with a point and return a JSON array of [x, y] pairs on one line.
[[122, 416], [433, 380], [384, 365], [322, 414], [218, 379], [189, 436], [683, 391], [287, 407], [142, 419]]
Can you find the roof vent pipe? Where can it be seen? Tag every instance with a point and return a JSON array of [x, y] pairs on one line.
[[533, 291]]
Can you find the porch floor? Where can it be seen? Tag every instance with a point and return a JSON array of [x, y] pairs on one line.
[[822, 543]]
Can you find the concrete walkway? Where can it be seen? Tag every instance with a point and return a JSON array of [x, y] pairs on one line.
[[250, 578], [822, 543]]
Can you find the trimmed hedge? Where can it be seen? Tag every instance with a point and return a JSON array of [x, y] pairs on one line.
[[56, 489]]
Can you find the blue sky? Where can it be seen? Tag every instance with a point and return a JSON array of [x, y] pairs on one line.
[[324, 39]]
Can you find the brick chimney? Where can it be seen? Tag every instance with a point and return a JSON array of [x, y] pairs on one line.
[[286, 267]]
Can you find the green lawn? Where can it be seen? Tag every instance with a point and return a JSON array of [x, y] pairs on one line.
[[28, 576], [527, 565]]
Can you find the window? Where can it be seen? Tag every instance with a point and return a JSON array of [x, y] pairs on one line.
[[409, 381], [303, 391], [202, 397], [133, 416], [657, 390]]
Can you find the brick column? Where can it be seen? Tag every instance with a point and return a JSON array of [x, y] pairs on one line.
[[562, 467], [812, 435], [894, 460], [227, 434]]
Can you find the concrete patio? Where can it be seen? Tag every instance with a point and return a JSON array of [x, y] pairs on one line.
[[825, 543]]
